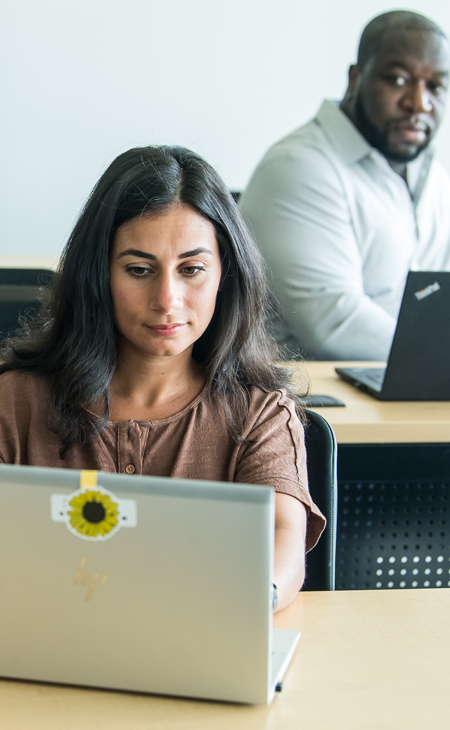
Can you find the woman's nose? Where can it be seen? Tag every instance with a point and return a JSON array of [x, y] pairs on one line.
[[167, 293]]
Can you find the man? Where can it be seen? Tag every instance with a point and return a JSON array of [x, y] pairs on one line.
[[345, 206]]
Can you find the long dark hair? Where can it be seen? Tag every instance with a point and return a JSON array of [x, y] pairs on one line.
[[74, 340]]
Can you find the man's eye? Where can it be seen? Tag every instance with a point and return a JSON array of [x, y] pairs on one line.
[[437, 89], [398, 80]]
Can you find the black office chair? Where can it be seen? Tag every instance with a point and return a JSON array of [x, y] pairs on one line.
[[393, 517], [19, 292], [321, 450]]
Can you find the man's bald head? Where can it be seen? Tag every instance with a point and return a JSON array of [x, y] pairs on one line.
[[374, 34]]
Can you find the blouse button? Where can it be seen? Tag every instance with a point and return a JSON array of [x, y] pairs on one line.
[[130, 469]]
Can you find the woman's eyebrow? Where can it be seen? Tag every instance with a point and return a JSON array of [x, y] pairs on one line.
[[194, 252], [136, 252], [143, 254]]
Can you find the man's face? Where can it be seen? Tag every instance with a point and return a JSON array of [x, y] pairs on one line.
[[399, 97]]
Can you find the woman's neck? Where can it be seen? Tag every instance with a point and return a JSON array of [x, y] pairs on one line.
[[146, 390]]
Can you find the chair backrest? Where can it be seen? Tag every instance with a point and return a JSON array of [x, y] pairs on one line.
[[19, 292], [321, 450]]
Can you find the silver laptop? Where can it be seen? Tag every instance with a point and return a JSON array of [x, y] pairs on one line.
[[139, 583]]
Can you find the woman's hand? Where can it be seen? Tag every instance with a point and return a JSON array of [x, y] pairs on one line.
[[290, 535]]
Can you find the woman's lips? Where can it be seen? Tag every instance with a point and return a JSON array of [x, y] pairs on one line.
[[165, 330]]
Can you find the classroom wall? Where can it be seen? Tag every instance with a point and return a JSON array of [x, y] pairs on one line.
[[85, 80]]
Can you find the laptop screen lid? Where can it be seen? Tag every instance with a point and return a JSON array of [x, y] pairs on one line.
[[419, 361], [173, 597]]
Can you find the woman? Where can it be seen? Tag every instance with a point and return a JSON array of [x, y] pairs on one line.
[[152, 356]]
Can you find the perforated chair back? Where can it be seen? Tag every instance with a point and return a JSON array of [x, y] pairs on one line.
[[393, 516], [321, 451], [19, 292]]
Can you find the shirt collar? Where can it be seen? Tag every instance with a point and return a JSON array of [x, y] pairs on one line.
[[342, 133], [352, 146]]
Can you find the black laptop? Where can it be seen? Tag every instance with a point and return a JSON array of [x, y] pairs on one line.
[[418, 367]]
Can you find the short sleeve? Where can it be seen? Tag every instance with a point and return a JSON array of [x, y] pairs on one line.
[[274, 454], [24, 435]]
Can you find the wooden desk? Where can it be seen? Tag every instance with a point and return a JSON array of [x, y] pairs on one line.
[[393, 486], [366, 661], [366, 420]]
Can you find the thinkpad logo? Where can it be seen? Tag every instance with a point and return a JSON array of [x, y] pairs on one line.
[[427, 291]]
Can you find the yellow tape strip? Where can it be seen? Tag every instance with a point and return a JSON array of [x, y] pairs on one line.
[[88, 478]]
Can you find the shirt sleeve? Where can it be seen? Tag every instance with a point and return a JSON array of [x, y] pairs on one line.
[[297, 210], [274, 454], [24, 436], [9, 437]]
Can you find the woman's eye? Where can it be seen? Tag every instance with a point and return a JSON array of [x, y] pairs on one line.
[[138, 270], [193, 270]]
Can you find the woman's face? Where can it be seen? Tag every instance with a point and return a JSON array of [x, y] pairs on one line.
[[165, 275]]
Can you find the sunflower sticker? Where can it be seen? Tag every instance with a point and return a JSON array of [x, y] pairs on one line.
[[92, 512]]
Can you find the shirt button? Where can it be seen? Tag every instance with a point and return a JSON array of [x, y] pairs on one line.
[[130, 469]]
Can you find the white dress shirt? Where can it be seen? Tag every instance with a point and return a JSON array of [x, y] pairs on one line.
[[340, 230]]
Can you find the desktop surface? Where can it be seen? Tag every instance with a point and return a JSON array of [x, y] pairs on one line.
[[367, 660], [365, 420]]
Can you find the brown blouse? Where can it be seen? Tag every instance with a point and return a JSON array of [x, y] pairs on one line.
[[192, 444]]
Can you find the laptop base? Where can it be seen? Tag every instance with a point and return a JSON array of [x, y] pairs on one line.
[[369, 380], [284, 644]]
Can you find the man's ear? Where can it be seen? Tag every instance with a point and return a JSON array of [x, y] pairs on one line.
[[353, 76]]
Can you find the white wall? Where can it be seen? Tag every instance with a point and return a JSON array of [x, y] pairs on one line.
[[84, 80]]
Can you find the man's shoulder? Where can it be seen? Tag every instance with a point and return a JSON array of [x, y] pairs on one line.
[[329, 133], [302, 161], [307, 141], [318, 150]]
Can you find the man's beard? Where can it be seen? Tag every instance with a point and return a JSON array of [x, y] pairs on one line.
[[380, 138]]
